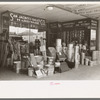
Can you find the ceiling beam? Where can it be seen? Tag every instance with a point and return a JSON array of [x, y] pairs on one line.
[[70, 10]]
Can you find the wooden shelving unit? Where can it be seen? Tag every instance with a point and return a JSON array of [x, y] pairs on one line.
[[79, 30]]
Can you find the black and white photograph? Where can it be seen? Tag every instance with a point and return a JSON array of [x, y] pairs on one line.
[[49, 41]]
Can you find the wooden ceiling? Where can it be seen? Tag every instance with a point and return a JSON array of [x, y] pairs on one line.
[[86, 10], [61, 12]]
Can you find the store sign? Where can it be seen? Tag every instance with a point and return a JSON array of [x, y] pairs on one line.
[[17, 19], [88, 23]]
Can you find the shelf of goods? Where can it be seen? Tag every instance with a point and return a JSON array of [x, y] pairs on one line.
[[82, 31]]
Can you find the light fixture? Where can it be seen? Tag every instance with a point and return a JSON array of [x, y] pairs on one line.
[[50, 7]]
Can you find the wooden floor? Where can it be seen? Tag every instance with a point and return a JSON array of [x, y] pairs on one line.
[[81, 73]]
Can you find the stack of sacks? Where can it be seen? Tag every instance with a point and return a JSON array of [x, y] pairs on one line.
[[95, 56]]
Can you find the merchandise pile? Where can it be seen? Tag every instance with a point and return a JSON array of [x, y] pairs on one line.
[[53, 60]]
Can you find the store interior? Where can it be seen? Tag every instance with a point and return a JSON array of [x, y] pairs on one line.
[[49, 41]]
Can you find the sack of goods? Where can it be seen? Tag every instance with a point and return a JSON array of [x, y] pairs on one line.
[[70, 52], [77, 56], [82, 58]]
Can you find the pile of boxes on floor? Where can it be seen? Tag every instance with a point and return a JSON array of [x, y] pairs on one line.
[[55, 59], [94, 59], [37, 66]]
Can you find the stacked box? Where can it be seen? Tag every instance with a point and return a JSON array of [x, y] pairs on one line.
[[94, 55], [91, 63]]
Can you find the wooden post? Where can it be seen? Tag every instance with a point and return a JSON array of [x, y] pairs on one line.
[[98, 36]]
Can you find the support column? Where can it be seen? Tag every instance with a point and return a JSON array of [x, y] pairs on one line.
[[98, 36]]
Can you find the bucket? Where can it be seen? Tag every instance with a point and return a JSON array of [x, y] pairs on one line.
[[17, 66], [30, 71]]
